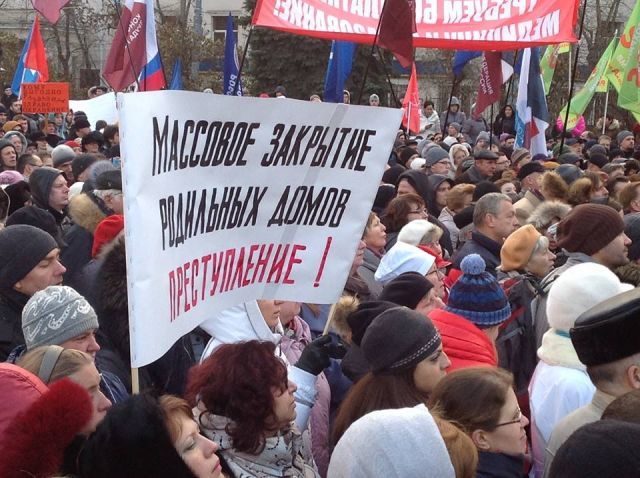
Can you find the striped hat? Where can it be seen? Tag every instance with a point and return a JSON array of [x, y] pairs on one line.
[[477, 296]]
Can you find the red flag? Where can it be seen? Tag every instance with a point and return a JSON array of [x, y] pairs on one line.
[[397, 26], [36, 58], [493, 73], [411, 104], [50, 9], [127, 56]]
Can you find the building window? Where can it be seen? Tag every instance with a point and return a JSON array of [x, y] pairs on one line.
[[219, 27]]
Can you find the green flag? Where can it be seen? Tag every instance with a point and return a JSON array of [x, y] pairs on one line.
[[582, 98], [628, 97], [621, 55], [549, 61]]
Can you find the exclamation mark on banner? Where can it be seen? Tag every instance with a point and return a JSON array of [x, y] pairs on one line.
[[323, 262]]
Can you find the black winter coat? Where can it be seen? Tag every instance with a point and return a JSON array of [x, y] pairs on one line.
[[11, 305]]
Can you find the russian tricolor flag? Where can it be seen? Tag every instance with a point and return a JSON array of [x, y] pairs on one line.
[[532, 115], [32, 65]]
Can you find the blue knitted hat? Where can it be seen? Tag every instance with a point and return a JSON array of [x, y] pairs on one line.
[[477, 296]]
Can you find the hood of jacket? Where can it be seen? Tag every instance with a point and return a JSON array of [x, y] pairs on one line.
[[236, 324], [434, 181], [41, 181], [418, 181], [546, 211], [85, 212], [464, 343]]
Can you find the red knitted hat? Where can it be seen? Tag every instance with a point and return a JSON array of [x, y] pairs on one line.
[[106, 232]]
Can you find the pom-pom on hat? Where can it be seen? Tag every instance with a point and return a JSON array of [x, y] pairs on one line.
[[477, 296]]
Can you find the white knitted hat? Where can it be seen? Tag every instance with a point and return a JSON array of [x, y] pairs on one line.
[[400, 443], [577, 290], [413, 232], [403, 258]]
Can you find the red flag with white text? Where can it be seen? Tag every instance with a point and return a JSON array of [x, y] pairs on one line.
[[411, 104], [493, 74]]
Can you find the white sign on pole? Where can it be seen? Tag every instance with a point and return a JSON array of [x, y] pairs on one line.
[[230, 199]]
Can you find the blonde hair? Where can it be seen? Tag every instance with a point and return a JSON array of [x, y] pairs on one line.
[[457, 195], [462, 451], [174, 408], [69, 362]]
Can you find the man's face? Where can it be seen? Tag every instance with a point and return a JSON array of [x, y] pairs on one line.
[[502, 163], [486, 167], [17, 143], [533, 181], [16, 107], [47, 272], [627, 144], [452, 131], [8, 91], [505, 222], [614, 254], [115, 202], [66, 169], [85, 342], [441, 167], [34, 163], [100, 92], [24, 125], [374, 102], [509, 142], [606, 142], [92, 148], [82, 132], [59, 195], [3, 117], [8, 157]]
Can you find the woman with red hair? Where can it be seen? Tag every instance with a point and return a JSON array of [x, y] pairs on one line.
[[244, 402]]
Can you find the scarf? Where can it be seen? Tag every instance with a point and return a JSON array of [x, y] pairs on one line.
[[557, 349]]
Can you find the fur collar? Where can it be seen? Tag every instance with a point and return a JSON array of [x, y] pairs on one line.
[[85, 212], [112, 278], [558, 350]]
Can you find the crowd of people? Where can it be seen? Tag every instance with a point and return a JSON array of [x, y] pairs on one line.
[[488, 326]]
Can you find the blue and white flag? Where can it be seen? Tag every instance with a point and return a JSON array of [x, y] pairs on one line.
[[22, 76], [532, 115], [231, 65], [338, 70]]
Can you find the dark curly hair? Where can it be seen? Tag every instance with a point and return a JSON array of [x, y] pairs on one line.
[[237, 382], [395, 216]]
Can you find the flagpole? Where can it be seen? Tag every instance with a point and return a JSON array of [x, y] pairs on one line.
[[386, 73], [126, 44], [606, 105], [446, 117], [373, 47], [241, 66], [573, 77], [408, 116]]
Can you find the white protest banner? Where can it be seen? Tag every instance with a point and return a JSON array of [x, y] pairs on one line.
[[230, 199], [101, 107]]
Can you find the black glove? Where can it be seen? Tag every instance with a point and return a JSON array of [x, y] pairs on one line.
[[315, 356]]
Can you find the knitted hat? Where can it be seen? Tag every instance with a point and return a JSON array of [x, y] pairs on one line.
[[398, 339], [109, 180], [477, 296], [37, 217], [599, 449], [455, 125], [81, 162], [434, 155], [569, 158], [362, 317], [598, 159], [106, 232], [81, 122], [22, 247], [518, 248], [519, 154], [9, 177], [62, 154], [530, 168], [588, 228], [620, 137], [608, 331], [402, 258], [56, 314], [569, 173], [632, 230], [577, 290], [392, 454], [407, 289]]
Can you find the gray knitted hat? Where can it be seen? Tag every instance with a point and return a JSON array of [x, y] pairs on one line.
[[56, 314], [435, 154]]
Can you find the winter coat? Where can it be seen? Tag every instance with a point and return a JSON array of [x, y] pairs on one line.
[[463, 342], [296, 337], [430, 125], [20, 389], [480, 244], [367, 272], [167, 374], [503, 124], [11, 304], [471, 128], [525, 206], [457, 117], [582, 416], [539, 303], [283, 455], [245, 322], [500, 465], [86, 214], [471, 176], [446, 218]]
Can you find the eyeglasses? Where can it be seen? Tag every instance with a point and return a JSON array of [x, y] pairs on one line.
[[516, 420]]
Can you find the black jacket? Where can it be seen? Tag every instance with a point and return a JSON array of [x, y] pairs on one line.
[[11, 304], [500, 465], [480, 244]]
